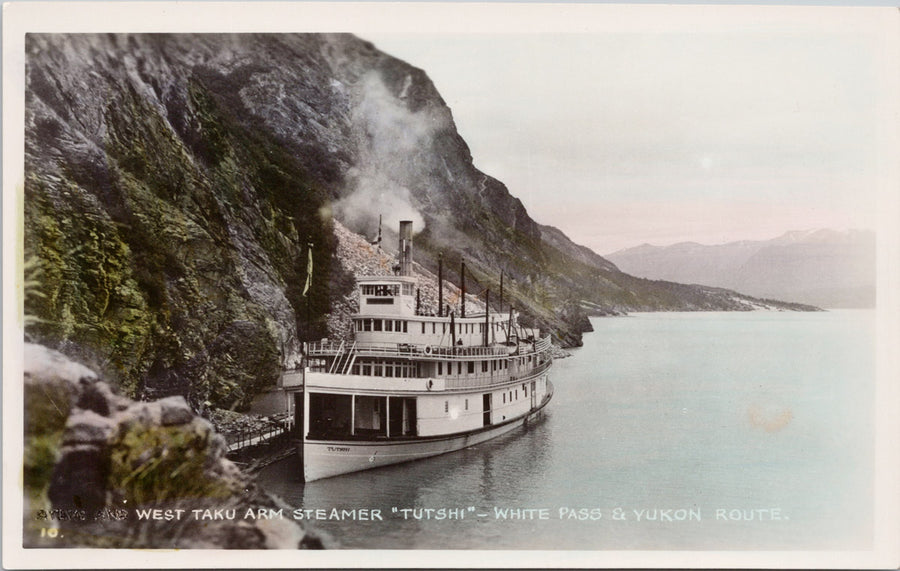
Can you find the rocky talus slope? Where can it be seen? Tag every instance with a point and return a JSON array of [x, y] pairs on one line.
[[94, 460], [365, 259]]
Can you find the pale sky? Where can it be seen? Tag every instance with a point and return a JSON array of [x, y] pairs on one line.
[[709, 132]]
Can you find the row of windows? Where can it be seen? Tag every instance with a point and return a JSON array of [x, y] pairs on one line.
[[386, 290], [382, 325], [381, 290], [514, 393], [470, 367], [461, 328], [386, 369], [511, 396], [402, 326], [397, 368]]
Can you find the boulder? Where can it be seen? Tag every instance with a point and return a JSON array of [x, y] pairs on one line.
[[174, 411], [88, 427]]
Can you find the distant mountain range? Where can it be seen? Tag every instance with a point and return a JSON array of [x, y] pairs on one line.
[[826, 268]]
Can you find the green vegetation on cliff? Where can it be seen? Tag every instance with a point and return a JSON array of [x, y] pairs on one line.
[[175, 259]]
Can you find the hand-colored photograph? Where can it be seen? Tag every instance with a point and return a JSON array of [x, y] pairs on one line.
[[609, 282]]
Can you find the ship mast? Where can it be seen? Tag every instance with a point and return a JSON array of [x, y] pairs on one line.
[[462, 273]]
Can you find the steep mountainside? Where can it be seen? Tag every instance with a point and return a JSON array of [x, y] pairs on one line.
[[820, 267], [174, 184]]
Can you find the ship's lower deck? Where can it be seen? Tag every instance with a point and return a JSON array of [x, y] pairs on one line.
[[324, 457]]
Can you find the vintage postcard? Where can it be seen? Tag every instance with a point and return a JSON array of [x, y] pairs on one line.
[[450, 284]]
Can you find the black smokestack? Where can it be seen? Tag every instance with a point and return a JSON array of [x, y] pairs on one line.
[[462, 273], [406, 247]]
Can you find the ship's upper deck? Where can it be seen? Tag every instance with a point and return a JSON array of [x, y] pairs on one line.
[[389, 314]]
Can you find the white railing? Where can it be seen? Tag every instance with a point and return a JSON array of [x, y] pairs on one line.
[[542, 345], [330, 348], [480, 381], [324, 348], [431, 351]]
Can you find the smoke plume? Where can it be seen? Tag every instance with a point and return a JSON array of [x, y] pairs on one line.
[[392, 144]]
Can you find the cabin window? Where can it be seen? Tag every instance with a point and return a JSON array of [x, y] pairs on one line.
[[377, 370], [467, 404], [381, 290], [459, 368], [423, 327], [388, 371], [517, 394], [369, 418], [388, 325], [504, 398], [484, 366], [404, 327], [367, 325], [407, 289], [440, 368], [367, 370], [329, 415], [432, 327], [471, 367], [443, 329], [376, 325], [446, 406]]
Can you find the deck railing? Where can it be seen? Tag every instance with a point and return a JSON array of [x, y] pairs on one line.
[[277, 431], [330, 349], [479, 381]]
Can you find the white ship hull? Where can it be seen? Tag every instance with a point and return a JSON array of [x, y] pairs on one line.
[[328, 458]]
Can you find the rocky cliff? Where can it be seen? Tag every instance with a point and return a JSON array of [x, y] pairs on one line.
[[176, 183]]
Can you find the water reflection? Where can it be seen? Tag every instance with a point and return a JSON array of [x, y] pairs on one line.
[[499, 472]]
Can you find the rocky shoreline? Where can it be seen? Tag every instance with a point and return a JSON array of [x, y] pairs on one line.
[[105, 471]]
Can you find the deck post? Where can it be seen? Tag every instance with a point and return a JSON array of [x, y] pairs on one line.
[[352, 415], [487, 318]]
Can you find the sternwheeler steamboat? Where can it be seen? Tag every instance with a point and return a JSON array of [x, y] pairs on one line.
[[411, 385]]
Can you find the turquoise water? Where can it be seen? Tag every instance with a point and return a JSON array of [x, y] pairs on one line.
[[724, 431]]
